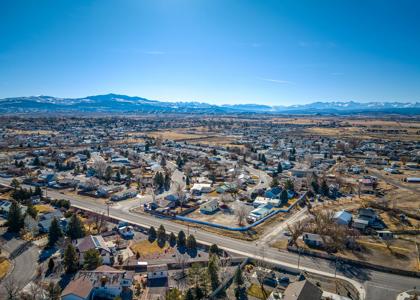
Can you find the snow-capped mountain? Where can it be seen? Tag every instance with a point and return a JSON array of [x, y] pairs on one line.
[[123, 103]]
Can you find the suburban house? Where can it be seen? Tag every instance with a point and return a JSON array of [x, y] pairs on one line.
[[45, 221], [313, 240], [200, 188], [342, 217], [104, 283], [126, 231], [157, 271], [210, 206], [94, 242], [259, 213], [302, 290]]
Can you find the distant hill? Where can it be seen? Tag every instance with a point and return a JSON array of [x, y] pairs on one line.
[[122, 103]]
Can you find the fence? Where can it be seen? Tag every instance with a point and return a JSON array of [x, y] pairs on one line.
[[380, 268], [244, 228], [226, 283]]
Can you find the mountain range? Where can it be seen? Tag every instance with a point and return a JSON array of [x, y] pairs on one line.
[[113, 103]]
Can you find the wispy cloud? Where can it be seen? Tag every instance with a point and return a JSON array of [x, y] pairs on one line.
[[154, 52], [279, 81]]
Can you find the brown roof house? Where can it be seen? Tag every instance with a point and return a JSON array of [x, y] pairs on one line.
[[302, 290], [104, 282]]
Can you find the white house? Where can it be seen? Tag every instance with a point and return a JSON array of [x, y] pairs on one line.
[[210, 206], [157, 271], [342, 217], [199, 188]]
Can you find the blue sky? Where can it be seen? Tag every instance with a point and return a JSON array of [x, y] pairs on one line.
[[216, 51]]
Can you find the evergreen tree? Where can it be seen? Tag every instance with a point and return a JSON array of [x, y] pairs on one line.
[[214, 250], [152, 234], [51, 264], [181, 240], [189, 295], [38, 191], [71, 261], [284, 196], [212, 270], [191, 243], [36, 161], [31, 211], [167, 182], [108, 174], [172, 239], [54, 291], [263, 158], [274, 182], [163, 161], [288, 185], [173, 294], [179, 162], [75, 229], [92, 259], [161, 236], [325, 190], [238, 279], [14, 218], [55, 233], [315, 186], [279, 168], [15, 183]]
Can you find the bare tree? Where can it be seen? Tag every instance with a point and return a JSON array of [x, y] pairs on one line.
[[12, 287], [99, 165], [99, 222], [296, 230], [181, 260], [262, 271], [179, 191], [241, 212]]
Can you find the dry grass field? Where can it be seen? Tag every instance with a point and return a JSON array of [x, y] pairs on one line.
[[4, 266], [150, 250], [174, 135]]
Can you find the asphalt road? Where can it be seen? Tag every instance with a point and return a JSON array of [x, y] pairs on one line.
[[25, 264], [378, 285]]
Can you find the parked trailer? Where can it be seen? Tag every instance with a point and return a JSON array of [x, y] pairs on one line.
[[412, 179]]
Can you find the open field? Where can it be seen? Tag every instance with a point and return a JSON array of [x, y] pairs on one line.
[[4, 266], [43, 208], [399, 254], [149, 250], [175, 135]]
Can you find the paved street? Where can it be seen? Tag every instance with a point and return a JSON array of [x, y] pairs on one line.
[[379, 285], [25, 264]]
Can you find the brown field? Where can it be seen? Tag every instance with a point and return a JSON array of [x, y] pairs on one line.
[[147, 249], [174, 135], [4, 266]]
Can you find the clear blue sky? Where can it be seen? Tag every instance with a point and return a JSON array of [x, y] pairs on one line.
[[217, 51]]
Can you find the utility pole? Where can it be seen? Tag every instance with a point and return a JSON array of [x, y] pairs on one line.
[[298, 258], [107, 207], [335, 274]]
